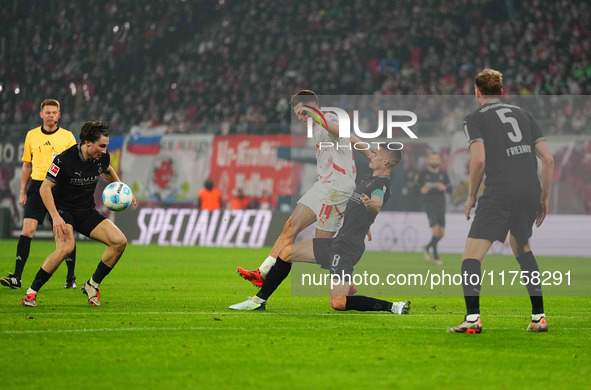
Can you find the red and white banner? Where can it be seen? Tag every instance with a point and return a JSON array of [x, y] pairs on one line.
[[250, 163], [169, 168]]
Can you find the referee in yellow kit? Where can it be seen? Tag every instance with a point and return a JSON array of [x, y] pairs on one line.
[[42, 144]]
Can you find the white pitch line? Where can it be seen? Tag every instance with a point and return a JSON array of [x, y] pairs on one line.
[[264, 313], [134, 329], [193, 328]]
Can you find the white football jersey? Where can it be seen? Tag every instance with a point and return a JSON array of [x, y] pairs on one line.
[[335, 166]]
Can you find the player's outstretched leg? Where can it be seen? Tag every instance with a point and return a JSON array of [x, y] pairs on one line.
[[250, 304], [339, 301], [257, 276], [253, 277], [276, 275]]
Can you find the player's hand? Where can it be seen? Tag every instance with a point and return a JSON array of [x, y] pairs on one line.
[[60, 228], [542, 212], [133, 201], [424, 190], [22, 200], [366, 200], [470, 202], [369, 235], [441, 186]]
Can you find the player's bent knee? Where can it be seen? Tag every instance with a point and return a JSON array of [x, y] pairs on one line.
[[29, 227], [120, 242], [338, 303], [64, 248]]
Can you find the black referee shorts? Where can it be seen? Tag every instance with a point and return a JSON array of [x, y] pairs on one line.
[[34, 208], [435, 213], [83, 221], [339, 261], [497, 215]]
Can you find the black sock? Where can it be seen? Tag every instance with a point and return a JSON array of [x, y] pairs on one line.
[[40, 279], [471, 291], [362, 303], [71, 262], [430, 244], [102, 270], [528, 263], [434, 242], [22, 254], [276, 275]]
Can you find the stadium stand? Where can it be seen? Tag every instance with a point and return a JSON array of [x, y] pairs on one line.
[[228, 66]]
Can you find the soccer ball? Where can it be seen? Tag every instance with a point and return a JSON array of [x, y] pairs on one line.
[[117, 196]]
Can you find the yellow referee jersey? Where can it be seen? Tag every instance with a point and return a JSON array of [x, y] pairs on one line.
[[41, 147]]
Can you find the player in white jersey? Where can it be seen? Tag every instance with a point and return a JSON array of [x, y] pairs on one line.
[[325, 202], [328, 196]]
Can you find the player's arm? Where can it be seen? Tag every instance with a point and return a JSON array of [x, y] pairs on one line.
[[332, 126], [354, 140], [545, 155], [25, 176], [59, 225], [445, 184], [424, 188], [112, 177], [477, 159], [27, 170], [373, 204]]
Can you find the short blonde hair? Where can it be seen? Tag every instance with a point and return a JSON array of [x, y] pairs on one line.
[[489, 82], [50, 102]]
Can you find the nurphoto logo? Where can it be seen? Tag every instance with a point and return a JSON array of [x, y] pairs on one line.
[[390, 117]]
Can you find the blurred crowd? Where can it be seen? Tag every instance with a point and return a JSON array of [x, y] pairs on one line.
[[230, 66]]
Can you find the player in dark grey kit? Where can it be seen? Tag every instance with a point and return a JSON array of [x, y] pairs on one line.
[[504, 143], [74, 174], [340, 254], [434, 183]]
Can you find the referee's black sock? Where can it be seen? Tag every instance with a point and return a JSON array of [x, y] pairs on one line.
[[71, 262], [40, 279], [362, 303], [276, 275], [471, 285], [528, 263], [22, 254]]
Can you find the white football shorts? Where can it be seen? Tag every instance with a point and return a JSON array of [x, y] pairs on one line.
[[328, 205]]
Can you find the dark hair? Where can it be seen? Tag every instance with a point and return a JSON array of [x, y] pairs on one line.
[[489, 82], [304, 96], [395, 156], [50, 102], [208, 184], [93, 130]]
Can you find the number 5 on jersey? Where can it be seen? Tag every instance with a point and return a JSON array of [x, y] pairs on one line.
[[514, 135]]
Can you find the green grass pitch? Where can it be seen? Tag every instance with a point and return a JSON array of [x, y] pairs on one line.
[[164, 323]]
